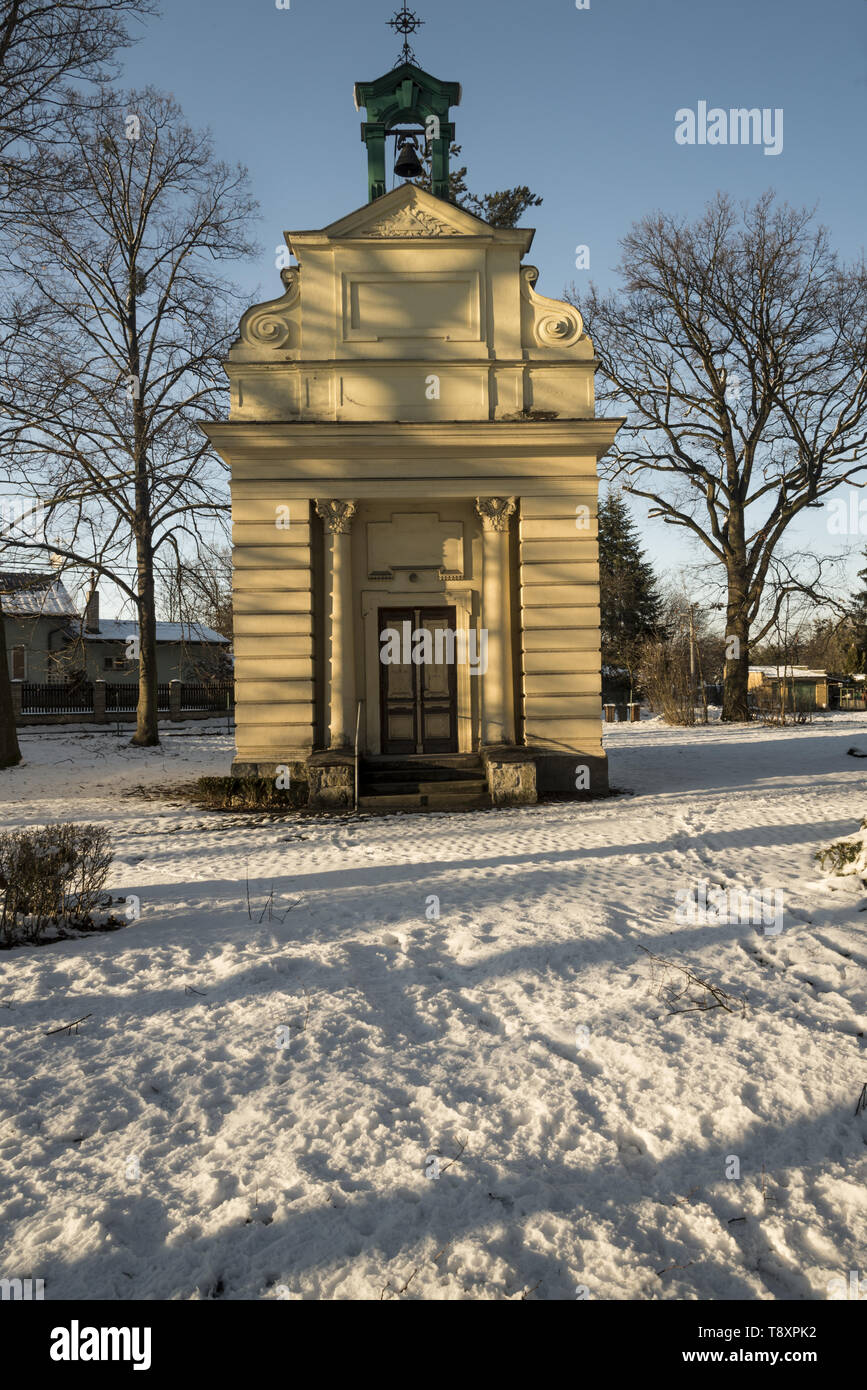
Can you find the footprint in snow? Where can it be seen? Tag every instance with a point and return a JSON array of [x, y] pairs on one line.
[[389, 939], [632, 1152]]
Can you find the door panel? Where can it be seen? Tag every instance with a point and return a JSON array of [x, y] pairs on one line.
[[438, 687], [418, 703]]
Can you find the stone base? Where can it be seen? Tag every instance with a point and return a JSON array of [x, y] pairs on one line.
[[574, 774], [511, 774], [516, 776], [332, 781], [324, 781], [297, 768]]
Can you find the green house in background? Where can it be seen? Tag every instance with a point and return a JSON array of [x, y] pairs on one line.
[[49, 642], [39, 618]]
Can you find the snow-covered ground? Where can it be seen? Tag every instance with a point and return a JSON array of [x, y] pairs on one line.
[[254, 1106]]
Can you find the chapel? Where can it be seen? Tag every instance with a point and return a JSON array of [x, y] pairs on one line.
[[413, 451]]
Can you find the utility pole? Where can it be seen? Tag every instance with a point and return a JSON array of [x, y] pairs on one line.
[[691, 657]]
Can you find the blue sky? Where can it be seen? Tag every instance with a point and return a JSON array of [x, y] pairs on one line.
[[580, 104]]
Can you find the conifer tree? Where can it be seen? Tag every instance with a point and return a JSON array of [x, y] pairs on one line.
[[504, 208], [859, 620], [630, 600]]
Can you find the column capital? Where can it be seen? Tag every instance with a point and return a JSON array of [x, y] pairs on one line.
[[495, 512], [336, 515]]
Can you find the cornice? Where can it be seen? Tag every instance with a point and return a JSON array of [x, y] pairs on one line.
[[394, 438], [297, 364]]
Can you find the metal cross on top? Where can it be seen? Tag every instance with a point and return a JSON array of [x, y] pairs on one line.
[[405, 22]]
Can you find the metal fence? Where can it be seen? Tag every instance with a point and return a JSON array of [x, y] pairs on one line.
[[852, 699], [195, 698], [39, 698], [122, 698]]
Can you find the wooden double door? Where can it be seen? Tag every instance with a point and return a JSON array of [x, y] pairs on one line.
[[418, 701]]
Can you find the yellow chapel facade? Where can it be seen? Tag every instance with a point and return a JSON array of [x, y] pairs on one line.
[[413, 452]]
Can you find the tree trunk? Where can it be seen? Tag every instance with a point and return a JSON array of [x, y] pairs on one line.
[[10, 753], [147, 731], [736, 707]]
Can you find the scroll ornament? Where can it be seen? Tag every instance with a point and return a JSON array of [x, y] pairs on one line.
[[270, 325], [556, 324]]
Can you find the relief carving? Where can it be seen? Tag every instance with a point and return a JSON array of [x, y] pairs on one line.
[[411, 222], [495, 512], [336, 515]]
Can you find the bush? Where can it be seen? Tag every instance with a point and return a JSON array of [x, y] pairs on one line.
[[664, 674], [248, 794], [51, 876], [836, 857]]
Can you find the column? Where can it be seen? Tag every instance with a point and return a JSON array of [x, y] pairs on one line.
[[337, 516], [374, 138], [99, 714], [440, 167], [498, 704]]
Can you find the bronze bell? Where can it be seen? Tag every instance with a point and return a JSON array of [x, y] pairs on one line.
[[408, 164]]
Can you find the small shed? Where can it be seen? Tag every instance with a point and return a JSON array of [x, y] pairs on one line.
[[794, 688]]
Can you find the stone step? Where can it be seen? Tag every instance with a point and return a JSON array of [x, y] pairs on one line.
[[430, 782], [427, 802], [423, 761], [415, 787], [377, 776]]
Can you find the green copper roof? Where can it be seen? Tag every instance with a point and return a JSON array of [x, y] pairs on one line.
[[406, 95]]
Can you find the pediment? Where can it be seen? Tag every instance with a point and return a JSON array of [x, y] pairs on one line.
[[410, 212]]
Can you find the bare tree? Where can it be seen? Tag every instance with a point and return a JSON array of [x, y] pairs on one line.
[[672, 663], [832, 642], [739, 347], [199, 589], [45, 47], [785, 641], [51, 53], [798, 588], [122, 328], [10, 752]]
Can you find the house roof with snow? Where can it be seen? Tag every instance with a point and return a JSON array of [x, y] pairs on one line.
[[35, 595], [121, 629], [25, 594], [790, 672]]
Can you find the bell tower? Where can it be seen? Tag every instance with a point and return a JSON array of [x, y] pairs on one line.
[[407, 102]]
